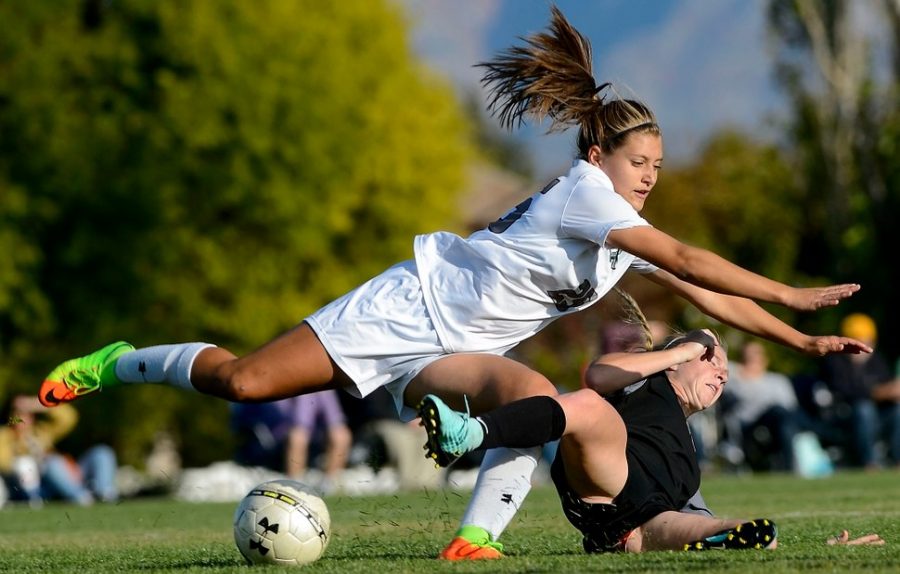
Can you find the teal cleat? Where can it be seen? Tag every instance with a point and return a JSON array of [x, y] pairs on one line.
[[451, 434]]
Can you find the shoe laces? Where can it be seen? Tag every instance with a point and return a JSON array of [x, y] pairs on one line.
[[492, 544], [82, 382], [465, 418]]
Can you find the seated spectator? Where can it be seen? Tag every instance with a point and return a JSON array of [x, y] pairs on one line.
[[278, 435], [384, 440], [866, 395], [764, 406], [36, 472]]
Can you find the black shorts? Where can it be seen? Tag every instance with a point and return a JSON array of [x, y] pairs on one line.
[[604, 526]]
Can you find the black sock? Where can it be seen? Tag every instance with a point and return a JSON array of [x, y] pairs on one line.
[[523, 423]]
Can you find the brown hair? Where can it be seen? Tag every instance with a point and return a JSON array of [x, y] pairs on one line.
[[550, 76]]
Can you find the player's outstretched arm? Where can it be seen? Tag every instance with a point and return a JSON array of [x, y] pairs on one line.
[[615, 371], [706, 269], [746, 315]]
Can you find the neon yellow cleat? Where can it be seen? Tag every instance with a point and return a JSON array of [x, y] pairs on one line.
[[76, 378]]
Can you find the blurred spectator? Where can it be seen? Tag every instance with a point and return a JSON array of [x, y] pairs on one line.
[[384, 440], [763, 406], [866, 396], [36, 472], [621, 336], [279, 435]]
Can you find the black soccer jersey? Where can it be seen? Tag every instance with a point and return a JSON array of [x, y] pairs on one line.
[[662, 468]]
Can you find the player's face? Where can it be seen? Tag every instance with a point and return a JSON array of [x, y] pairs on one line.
[[704, 380], [634, 167]]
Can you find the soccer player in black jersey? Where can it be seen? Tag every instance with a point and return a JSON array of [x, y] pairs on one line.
[[626, 462]]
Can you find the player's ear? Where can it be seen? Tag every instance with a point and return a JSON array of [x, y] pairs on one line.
[[595, 156]]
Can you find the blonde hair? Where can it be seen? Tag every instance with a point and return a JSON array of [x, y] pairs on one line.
[[634, 316], [550, 76]]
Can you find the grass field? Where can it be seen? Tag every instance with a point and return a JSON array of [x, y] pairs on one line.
[[403, 533]]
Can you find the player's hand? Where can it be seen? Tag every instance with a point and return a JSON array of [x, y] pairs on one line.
[[812, 298], [698, 343], [843, 539], [819, 346]]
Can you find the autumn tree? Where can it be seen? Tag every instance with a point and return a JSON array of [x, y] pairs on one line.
[[843, 131], [205, 171]]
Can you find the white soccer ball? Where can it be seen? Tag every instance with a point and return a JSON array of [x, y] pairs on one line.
[[282, 522]]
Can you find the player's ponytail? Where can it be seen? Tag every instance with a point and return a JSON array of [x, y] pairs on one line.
[[636, 317], [550, 77]]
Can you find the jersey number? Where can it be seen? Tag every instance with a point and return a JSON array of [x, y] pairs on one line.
[[565, 299], [513, 216]]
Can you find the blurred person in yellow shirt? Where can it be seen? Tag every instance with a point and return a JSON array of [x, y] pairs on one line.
[[35, 471]]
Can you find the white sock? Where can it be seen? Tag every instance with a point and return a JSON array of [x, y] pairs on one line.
[[160, 364], [504, 481]]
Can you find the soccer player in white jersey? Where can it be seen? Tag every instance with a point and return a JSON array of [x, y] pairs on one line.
[[440, 323]]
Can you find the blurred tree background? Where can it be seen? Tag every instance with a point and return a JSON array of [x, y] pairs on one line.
[[820, 206], [843, 148], [204, 171], [217, 170]]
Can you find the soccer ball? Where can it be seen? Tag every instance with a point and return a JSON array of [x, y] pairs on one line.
[[281, 522]]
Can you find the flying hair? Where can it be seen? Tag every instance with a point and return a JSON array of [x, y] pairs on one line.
[[550, 77], [634, 316]]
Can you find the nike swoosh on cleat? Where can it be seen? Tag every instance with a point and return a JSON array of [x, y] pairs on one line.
[[50, 399]]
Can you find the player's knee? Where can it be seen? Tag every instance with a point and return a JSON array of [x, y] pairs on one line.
[[588, 412], [583, 403], [239, 383]]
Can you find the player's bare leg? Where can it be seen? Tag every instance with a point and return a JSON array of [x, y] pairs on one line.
[[487, 381], [480, 381], [292, 364], [593, 448]]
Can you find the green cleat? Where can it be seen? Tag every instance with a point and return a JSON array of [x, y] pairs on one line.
[[78, 377], [450, 434]]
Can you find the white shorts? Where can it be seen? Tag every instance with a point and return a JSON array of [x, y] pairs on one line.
[[380, 334]]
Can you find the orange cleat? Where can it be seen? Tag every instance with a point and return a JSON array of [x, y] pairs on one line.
[[461, 549]]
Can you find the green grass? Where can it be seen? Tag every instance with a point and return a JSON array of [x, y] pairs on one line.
[[403, 533]]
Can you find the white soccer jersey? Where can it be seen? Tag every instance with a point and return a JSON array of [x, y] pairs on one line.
[[544, 259]]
